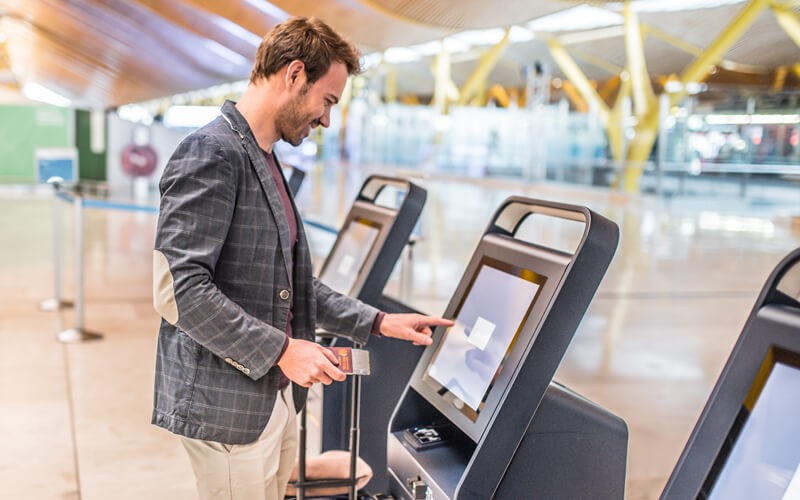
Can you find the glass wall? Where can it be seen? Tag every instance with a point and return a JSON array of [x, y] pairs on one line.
[[548, 142]]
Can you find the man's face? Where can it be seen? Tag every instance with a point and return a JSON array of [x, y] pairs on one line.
[[310, 105]]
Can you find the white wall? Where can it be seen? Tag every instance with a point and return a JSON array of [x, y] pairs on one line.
[[121, 133]]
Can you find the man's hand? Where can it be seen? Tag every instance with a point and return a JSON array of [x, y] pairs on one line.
[[413, 327], [306, 363]]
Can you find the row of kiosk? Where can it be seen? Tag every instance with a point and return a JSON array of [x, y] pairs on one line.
[[477, 414]]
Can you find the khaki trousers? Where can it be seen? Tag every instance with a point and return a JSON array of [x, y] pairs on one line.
[[255, 471]]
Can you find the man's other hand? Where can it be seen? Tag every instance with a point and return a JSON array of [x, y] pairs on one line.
[[306, 363]]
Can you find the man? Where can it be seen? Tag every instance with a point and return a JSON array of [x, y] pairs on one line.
[[232, 276]]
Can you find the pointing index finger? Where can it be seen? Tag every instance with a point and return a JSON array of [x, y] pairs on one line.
[[431, 321]]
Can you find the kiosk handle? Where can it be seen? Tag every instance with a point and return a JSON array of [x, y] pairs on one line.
[[515, 210], [376, 183]]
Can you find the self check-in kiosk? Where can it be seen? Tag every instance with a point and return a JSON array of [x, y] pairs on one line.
[[746, 444], [372, 239], [481, 417], [359, 264]]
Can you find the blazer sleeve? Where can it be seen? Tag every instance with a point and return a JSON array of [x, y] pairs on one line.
[[198, 195], [342, 315]]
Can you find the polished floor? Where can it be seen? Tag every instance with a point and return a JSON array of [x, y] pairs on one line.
[[75, 417]]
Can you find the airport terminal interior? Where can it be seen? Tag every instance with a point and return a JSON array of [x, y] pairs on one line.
[[645, 152]]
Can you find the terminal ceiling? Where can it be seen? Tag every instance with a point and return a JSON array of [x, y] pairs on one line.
[[104, 53]]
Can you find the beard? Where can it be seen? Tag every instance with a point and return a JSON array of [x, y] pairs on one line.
[[291, 121]]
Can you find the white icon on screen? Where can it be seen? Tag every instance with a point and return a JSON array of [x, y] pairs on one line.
[[481, 333], [346, 265]]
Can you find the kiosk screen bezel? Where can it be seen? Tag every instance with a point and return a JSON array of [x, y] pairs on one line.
[[510, 256]]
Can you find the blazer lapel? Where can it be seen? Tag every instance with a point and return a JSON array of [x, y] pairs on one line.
[[259, 164]]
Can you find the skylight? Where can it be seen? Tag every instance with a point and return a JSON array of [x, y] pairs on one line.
[[672, 5], [236, 30], [269, 9], [582, 17]]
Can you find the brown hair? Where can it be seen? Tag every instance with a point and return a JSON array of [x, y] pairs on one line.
[[308, 40]]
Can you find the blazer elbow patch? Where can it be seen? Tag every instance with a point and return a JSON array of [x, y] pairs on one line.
[[163, 290]]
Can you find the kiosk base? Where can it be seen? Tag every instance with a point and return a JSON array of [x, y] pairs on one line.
[[572, 449]]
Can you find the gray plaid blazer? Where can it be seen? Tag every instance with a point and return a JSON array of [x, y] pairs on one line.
[[221, 275]]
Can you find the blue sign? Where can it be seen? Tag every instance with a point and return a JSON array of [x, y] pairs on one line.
[[60, 163]]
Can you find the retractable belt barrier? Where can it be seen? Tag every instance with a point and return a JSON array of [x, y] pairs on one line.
[[78, 333]]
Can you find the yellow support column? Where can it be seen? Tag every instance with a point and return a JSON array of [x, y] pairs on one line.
[[644, 99], [589, 94], [696, 51], [697, 71], [574, 97], [391, 84], [477, 79], [500, 94], [442, 82], [643, 95], [780, 78], [616, 121], [578, 79], [788, 21], [609, 87]]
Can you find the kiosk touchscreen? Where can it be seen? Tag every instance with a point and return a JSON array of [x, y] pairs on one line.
[[481, 417], [487, 322], [347, 258], [468, 360], [747, 442]]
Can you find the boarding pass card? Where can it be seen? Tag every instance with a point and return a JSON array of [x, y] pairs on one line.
[[352, 361]]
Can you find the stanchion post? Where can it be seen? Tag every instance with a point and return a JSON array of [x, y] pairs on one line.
[[78, 333], [57, 302]]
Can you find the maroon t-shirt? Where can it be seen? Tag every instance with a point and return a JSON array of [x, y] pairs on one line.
[[291, 219], [286, 201]]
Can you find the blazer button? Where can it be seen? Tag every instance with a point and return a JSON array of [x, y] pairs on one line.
[[284, 295]]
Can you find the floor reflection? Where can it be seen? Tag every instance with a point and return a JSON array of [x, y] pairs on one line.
[[649, 349]]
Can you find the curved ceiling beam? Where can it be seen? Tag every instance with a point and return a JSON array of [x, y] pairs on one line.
[[87, 59], [138, 27], [371, 29], [239, 12], [209, 26], [465, 14]]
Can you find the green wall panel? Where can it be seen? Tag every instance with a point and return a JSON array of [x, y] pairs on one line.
[[23, 128], [91, 166]]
